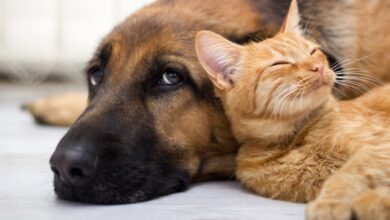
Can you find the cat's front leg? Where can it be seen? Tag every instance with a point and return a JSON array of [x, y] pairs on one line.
[[335, 199], [280, 173], [374, 204], [329, 209], [369, 168]]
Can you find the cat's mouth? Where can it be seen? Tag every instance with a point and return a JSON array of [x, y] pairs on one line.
[[326, 80]]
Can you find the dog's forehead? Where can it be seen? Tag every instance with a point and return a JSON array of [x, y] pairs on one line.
[[138, 47]]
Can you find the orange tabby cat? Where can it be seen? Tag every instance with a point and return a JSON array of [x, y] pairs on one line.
[[298, 142]]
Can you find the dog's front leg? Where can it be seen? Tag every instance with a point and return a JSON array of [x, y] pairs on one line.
[[58, 110]]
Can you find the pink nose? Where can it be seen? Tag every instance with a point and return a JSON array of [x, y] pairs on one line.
[[318, 67]]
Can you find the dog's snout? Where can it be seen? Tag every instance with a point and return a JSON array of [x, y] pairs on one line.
[[74, 166]]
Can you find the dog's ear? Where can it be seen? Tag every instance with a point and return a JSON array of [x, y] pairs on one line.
[[218, 57], [292, 20]]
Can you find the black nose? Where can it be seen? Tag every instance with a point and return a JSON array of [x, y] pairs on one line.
[[73, 166]]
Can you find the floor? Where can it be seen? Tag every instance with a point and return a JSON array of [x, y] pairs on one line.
[[26, 181]]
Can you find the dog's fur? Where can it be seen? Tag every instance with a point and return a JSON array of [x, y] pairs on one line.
[[153, 140]]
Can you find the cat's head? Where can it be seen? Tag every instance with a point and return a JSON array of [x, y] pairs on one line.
[[283, 76]]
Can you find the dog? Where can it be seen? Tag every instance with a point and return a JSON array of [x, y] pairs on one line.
[[152, 124]]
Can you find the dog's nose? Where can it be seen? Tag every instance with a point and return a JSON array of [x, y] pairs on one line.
[[73, 166]]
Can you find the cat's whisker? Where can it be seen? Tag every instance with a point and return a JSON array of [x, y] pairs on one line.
[[276, 107], [352, 87], [267, 111], [352, 71], [276, 96], [349, 62], [362, 75], [355, 86], [294, 99], [337, 65], [279, 96], [301, 101], [343, 64], [314, 28], [356, 70], [357, 83], [291, 89], [308, 20], [368, 84], [298, 97], [283, 106], [340, 91]]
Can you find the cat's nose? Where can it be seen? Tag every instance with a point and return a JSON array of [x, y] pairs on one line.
[[318, 68]]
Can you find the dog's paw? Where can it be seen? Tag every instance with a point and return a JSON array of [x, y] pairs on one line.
[[58, 110], [328, 210], [373, 205]]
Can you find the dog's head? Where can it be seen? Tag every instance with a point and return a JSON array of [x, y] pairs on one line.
[[153, 123]]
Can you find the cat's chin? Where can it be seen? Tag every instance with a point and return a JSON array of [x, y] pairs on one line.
[[319, 90], [312, 99], [319, 95]]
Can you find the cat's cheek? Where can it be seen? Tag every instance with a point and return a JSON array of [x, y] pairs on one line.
[[330, 78]]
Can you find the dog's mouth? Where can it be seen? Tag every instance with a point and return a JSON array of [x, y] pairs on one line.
[[118, 187], [96, 194]]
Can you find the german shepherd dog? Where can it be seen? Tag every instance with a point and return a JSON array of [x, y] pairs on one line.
[[153, 125]]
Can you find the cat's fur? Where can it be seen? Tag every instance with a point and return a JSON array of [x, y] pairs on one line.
[[298, 142]]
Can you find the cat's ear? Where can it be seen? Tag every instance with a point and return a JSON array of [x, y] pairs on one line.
[[218, 57], [292, 20]]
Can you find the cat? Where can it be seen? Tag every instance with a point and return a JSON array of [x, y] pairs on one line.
[[298, 143]]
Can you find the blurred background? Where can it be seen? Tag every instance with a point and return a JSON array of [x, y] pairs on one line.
[[53, 39]]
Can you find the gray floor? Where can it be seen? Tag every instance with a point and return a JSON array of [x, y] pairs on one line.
[[26, 181]]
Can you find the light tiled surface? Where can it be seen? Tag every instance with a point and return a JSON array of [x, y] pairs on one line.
[[26, 191]]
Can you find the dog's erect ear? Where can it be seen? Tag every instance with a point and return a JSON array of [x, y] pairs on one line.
[[218, 57], [292, 20]]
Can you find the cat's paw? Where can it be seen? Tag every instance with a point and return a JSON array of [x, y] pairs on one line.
[[373, 205], [328, 210]]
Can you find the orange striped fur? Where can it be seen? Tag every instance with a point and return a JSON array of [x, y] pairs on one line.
[[298, 143]]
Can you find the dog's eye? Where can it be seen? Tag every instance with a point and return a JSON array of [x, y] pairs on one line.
[[96, 76], [170, 78], [280, 63]]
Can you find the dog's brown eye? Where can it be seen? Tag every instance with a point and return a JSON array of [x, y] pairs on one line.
[[170, 78], [280, 63], [96, 76]]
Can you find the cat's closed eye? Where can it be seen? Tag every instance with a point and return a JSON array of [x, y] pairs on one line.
[[314, 51], [280, 63]]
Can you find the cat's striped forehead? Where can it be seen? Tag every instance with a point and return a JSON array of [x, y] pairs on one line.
[[286, 46]]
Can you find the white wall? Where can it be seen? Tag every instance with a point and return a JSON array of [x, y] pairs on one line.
[[41, 37]]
